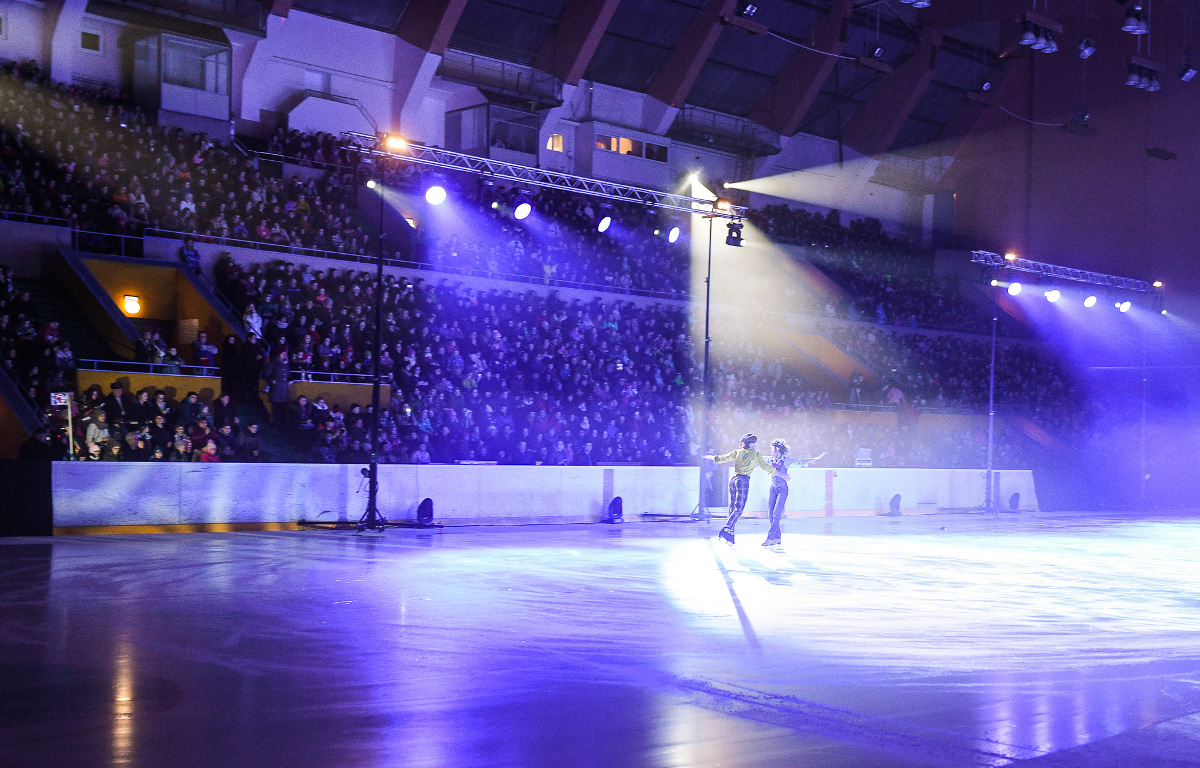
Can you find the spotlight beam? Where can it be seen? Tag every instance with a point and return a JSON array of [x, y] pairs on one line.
[[482, 166]]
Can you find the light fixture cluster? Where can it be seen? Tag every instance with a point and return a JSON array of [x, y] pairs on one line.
[[1039, 38], [1135, 21], [917, 3], [1143, 75]]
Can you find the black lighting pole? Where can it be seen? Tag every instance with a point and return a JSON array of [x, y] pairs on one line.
[[704, 411], [991, 406], [372, 519]]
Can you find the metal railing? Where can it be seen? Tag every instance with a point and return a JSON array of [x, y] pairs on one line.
[[163, 369], [212, 372], [31, 218], [357, 258], [506, 76]]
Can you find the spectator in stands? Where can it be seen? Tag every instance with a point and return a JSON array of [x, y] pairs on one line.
[[230, 368], [204, 352], [118, 406], [172, 363], [188, 412], [250, 444], [97, 429], [277, 375], [189, 254], [37, 447]]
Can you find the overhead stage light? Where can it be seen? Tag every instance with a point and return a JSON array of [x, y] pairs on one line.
[[920, 3], [1157, 283], [1124, 306], [673, 235], [395, 143], [734, 237], [1014, 289], [522, 211], [1090, 301], [371, 184], [722, 204], [604, 224], [1053, 295], [435, 195], [1087, 48], [1028, 36]]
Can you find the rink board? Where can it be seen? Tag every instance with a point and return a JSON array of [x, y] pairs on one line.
[[103, 494]]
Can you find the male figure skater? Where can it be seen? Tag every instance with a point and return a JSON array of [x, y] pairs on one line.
[[781, 462], [744, 460]]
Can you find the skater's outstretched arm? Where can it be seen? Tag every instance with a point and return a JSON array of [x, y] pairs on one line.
[[724, 458]]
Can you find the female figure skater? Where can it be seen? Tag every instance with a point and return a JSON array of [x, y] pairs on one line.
[[781, 463], [744, 460]]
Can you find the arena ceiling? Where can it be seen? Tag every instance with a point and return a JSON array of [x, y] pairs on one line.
[[740, 68]]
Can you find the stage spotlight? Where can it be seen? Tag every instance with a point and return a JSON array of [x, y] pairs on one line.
[[1087, 48], [734, 237], [995, 282], [1014, 289], [921, 3], [435, 195], [1157, 283], [1090, 301], [522, 211], [1124, 306], [371, 184], [723, 205], [1163, 312], [604, 224], [395, 143], [495, 206], [1028, 36], [1053, 295], [1010, 256], [673, 235]]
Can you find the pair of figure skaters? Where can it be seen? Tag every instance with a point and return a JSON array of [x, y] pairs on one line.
[[744, 460]]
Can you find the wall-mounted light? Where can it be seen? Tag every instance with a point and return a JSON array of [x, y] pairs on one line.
[[132, 304]]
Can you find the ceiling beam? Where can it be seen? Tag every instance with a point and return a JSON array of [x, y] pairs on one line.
[[675, 78], [783, 105], [574, 39], [428, 24], [874, 126]]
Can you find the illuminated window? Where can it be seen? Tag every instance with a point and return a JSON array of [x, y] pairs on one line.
[[91, 41], [629, 147], [607, 143], [555, 142]]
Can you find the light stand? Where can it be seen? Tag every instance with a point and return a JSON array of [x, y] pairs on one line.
[[372, 519], [989, 502], [701, 507]]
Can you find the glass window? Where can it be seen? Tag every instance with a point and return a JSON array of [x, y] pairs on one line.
[[555, 142], [90, 41], [630, 147], [607, 143], [656, 152]]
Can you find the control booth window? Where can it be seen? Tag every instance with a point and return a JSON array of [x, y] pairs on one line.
[[633, 147], [555, 142]]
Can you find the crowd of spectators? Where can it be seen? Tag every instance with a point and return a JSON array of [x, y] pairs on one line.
[[94, 159], [33, 352], [148, 426], [510, 376]]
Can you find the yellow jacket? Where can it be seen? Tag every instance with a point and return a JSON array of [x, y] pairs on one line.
[[744, 460]]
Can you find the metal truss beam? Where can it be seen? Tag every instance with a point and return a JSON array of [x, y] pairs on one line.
[[523, 174], [989, 259]]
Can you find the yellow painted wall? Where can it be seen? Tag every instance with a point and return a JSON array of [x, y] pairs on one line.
[[154, 285]]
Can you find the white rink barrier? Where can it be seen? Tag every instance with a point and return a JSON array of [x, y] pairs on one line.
[[104, 494]]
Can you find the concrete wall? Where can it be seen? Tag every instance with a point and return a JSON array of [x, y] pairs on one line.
[[115, 494]]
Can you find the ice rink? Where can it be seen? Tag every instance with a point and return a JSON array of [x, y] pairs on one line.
[[940, 640]]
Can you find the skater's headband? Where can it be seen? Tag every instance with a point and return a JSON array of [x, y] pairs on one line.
[[749, 439], [781, 444]]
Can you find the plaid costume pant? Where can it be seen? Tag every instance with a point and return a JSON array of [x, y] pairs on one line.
[[739, 491]]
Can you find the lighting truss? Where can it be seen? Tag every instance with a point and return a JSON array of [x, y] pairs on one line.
[[990, 259], [366, 145]]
